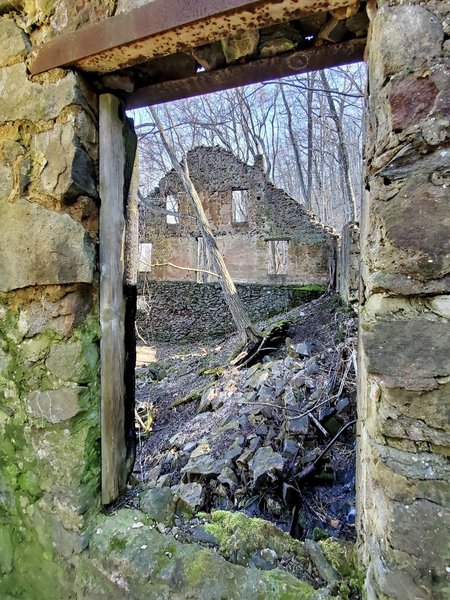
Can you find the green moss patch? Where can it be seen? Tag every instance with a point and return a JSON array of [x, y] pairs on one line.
[[240, 536], [343, 558]]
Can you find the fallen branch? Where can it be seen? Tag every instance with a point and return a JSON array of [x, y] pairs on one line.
[[344, 377], [355, 364], [253, 350], [194, 395], [169, 264], [269, 404], [320, 427]]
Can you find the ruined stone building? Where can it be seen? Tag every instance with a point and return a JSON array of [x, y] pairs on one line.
[[68, 71], [264, 235]]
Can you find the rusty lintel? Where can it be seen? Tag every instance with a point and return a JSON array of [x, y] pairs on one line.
[[265, 69], [162, 27]]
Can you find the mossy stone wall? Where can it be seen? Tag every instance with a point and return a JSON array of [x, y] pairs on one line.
[[49, 332]]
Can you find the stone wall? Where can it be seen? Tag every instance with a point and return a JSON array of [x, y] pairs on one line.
[[49, 405], [272, 214], [348, 264], [49, 332], [181, 311], [403, 479]]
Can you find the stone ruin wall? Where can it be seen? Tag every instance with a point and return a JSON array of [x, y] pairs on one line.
[[49, 330], [403, 479], [182, 311], [272, 214]]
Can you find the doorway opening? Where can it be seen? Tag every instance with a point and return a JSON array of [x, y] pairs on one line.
[[276, 437]]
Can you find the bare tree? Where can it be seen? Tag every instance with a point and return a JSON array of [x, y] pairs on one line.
[[307, 127], [342, 150]]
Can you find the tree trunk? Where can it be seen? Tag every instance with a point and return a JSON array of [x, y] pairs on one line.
[[342, 149], [246, 331], [298, 160]]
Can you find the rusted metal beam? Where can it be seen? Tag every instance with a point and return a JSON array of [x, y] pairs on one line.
[[163, 27], [299, 61]]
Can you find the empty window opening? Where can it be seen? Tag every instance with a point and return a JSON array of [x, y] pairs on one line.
[[145, 257], [277, 257], [239, 203], [203, 262], [172, 210]]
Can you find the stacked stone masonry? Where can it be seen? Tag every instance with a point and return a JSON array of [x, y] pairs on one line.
[[181, 311], [348, 264], [49, 332], [403, 479]]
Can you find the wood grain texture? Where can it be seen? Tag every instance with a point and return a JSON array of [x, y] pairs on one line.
[[112, 303]]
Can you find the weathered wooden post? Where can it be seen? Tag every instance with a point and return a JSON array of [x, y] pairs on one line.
[[112, 301]]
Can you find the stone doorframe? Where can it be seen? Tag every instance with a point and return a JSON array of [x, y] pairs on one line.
[[404, 357], [404, 341]]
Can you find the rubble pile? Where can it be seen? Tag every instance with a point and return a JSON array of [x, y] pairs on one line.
[[275, 440]]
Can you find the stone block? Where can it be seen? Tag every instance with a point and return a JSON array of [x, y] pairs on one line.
[[431, 408], [395, 43], [416, 231], [72, 361], [421, 530], [148, 564], [440, 305], [61, 315], [6, 181], [210, 56], [411, 99], [50, 523], [41, 247], [55, 406], [440, 75], [13, 42], [66, 171], [401, 489], [408, 161], [393, 581], [416, 466], [393, 424], [333, 30], [407, 352], [239, 45], [34, 349], [7, 550], [68, 464], [158, 504], [35, 101]]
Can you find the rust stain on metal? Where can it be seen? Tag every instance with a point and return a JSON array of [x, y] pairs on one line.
[[163, 27], [298, 61]]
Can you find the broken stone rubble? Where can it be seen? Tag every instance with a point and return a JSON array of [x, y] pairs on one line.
[[260, 426]]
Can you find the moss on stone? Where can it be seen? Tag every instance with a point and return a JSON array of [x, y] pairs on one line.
[[343, 558], [311, 287], [242, 536], [34, 572], [152, 565], [284, 586]]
